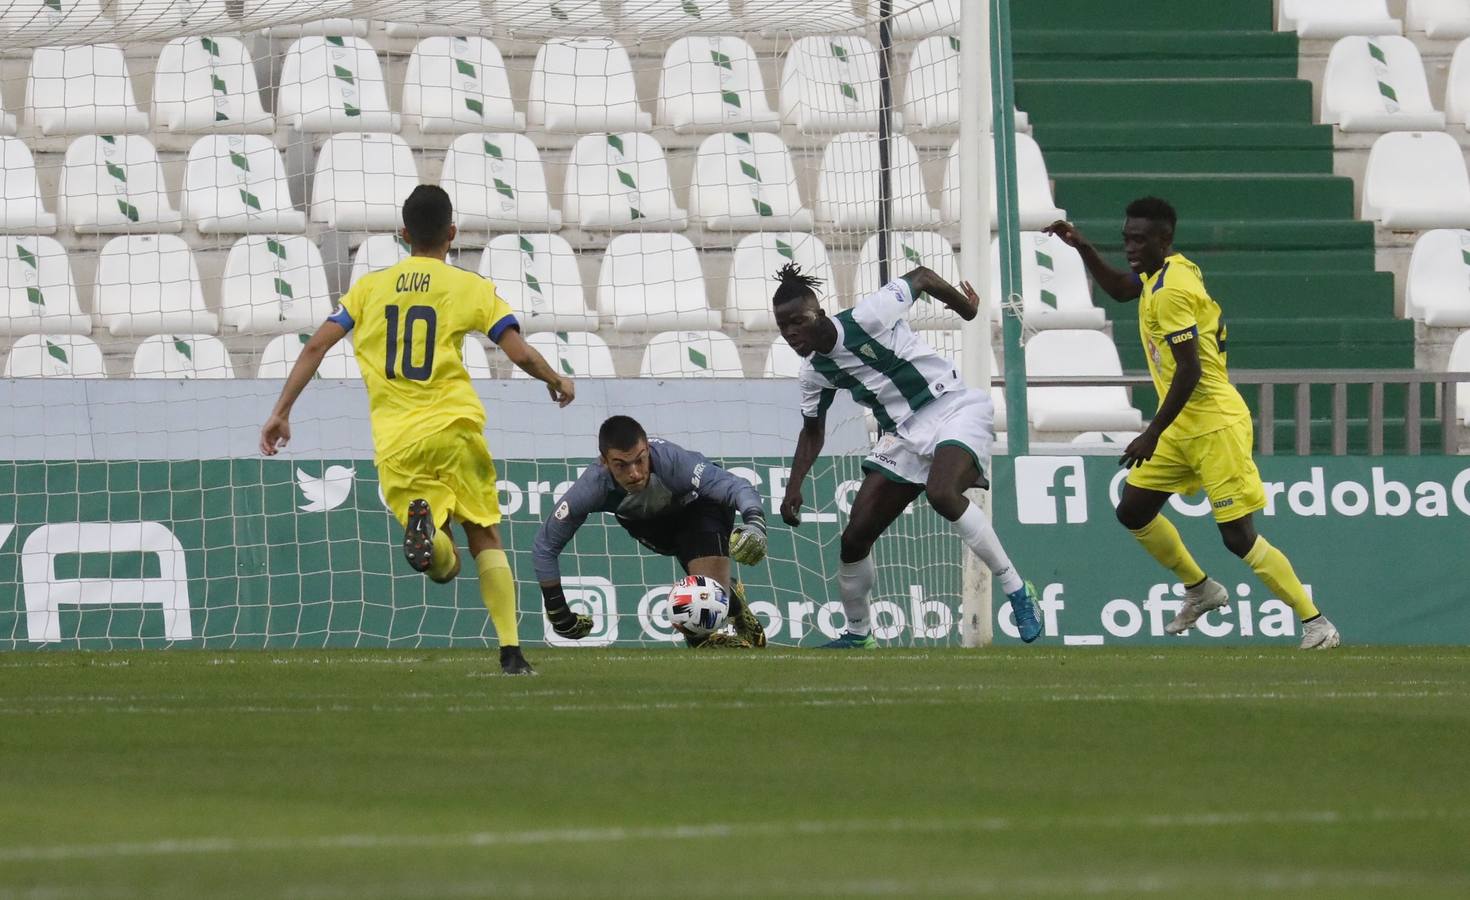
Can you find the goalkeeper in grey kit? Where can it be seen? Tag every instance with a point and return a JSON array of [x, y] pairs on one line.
[[671, 500]]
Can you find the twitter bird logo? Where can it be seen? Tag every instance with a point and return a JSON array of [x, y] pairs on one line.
[[325, 493]]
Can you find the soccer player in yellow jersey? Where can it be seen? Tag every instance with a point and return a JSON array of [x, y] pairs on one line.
[[428, 422], [1201, 436]]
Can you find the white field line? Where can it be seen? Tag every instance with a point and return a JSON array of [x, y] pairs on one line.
[[713, 831]]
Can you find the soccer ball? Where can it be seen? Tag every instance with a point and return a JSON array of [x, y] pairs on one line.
[[699, 605]]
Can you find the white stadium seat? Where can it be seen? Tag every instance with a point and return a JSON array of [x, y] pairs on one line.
[[907, 250], [458, 84], [847, 188], [1059, 353], [579, 354], [1035, 205], [653, 18], [208, 84], [21, 208], [182, 356], [437, 18], [273, 285], [830, 83], [1439, 19], [157, 18], [361, 182], [931, 99], [777, 16], [1457, 88], [1460, 362], [582, 85], [26, 22], [1377, 84], [1437, 290], [920, 20], [111, 184], [551, 18], [1055, 292], [7, 121], [472, 354], [537, 275], [282, 352], [40, 296], [781, 361], [653, 282], [148, 284], [497, 184], [713, 84], [55, 356], [746, 182], [82, 90], [620, 181], [333, 83], [753, 268], [276, 10], [691, 354], [1336, 18], [237, 184], [1416, 180], [380, 251]]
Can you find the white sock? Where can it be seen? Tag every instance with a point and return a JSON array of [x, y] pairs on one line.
[[854, 583], [980, 537]]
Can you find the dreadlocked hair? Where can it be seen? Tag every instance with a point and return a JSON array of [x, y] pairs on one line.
[[794, 285]]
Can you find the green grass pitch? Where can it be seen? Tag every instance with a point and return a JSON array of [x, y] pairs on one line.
[[1029, 772]]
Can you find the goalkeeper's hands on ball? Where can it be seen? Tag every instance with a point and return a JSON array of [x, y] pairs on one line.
[[748, 541]]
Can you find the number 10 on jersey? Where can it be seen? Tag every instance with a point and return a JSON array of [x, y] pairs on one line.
[[412, 317]]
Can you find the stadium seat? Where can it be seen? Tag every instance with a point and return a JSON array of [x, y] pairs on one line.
[[437, 18], [458, 84], [380, 251], [1457, 88], [920, 20], [620, 181], [497, 184], [745, 182], [1060, 353], [583, 85], [55, 356], [277, 10], [1336, 18], [551, 18], [932, 92], [111, 184], [1437, 289], [40, 296], [159, 18], [664, 18], [333, 83], [1055, 292], [237, 184], [699, 70], [1439, 19], [907, 250], [208, 84], [82, 90], [361, 182], [282, 352], [691, 354], [753, 267], [182, 356], [1034, 205], [847, 188], [653, 282], [472, 354], [537, 275], [29, 22], [579, 354], [1377, 84], [778, 16], [273, 285], [781, 361], [7, 121], [1460, 362], [148, 284], [1416, 179], [21, 208], [830, 84]]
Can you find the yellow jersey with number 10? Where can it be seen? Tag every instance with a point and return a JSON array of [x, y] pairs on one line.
[[409, 323], [1174, 308]]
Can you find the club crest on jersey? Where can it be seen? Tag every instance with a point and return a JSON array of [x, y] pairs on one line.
[[868, 351]]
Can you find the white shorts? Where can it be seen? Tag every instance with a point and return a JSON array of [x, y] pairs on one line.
[[963, 418]]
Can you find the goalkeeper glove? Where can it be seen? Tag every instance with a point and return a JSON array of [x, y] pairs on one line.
[[748, 541], [563, 621]]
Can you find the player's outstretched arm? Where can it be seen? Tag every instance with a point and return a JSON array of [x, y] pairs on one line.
[[1121, 286], [963, 300], [1187, 373], [277, 429], [808, 448], [534, 364]]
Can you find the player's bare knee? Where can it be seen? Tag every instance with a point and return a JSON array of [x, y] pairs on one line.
[[947, 501], [1238, 539], [1131, 518], [856, 545]]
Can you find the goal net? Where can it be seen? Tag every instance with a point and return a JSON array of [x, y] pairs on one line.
[[189, 185]]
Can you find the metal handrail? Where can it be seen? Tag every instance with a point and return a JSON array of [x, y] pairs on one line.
[[1304, 379]]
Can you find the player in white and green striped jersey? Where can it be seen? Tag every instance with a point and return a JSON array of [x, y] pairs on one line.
[[936, 433]]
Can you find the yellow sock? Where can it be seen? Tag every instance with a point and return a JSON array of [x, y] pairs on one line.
[[443, 560], [498, 590], [1273, 568], [1162, 541]]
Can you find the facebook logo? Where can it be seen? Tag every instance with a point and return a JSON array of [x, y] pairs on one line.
[[1050, 489]]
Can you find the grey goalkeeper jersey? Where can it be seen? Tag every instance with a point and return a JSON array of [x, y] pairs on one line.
[[677, 477]]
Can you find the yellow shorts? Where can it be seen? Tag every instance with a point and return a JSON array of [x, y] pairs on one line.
[[1220, 462], [452, 469]]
